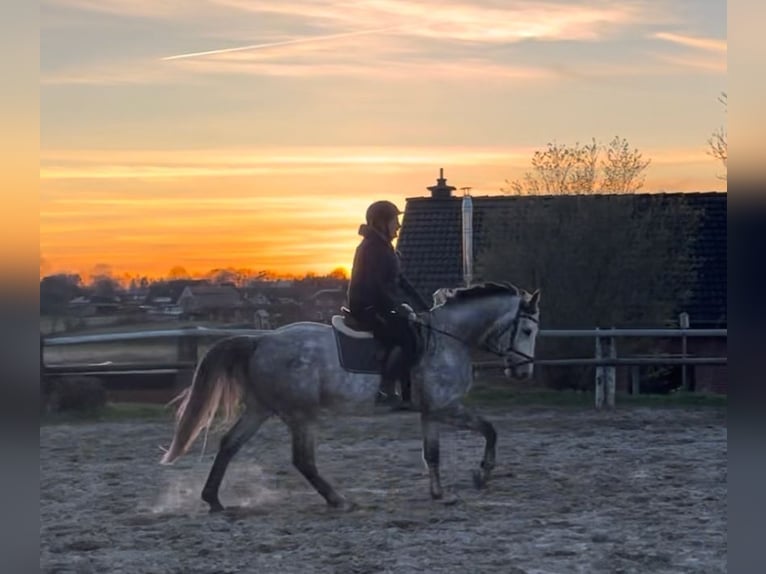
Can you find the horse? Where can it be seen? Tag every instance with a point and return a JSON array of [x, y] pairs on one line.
[[294, 373]]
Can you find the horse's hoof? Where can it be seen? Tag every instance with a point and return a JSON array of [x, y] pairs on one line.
[[214, 503], [345, 506], [437, 494], [349, 506]]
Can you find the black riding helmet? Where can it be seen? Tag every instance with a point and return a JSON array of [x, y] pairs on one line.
[[381, 211]]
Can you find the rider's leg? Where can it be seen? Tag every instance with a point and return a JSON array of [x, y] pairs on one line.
[[390, 373], [407, 355]]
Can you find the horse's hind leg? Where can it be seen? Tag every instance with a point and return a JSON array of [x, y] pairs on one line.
[[247, 425], [461, 417], [304, 443], [431, 453]]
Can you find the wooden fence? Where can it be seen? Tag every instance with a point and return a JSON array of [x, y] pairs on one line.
[[605, 358]]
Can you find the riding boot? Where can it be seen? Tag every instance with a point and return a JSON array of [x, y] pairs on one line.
[[391, 373], [402, 374], [404, 402], [387, 389]]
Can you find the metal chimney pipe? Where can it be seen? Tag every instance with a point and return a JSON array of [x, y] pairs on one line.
[[467, 240]]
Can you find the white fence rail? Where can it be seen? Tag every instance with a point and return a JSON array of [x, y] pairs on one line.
[[605, 357]]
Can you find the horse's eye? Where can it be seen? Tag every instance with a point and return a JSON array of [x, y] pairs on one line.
[[527, 332]]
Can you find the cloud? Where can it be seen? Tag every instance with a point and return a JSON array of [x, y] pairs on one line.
[[165, 9], [370, 54], [396, 39], [386, 39], [160, 164], [695, 62], [119, 73], [700, 53], [454, 20], [483, 22], [707, 44]]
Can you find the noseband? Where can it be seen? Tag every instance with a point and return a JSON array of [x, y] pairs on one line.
[[489, 346]]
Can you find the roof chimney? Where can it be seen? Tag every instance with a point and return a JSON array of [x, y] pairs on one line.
[[441, 190], [467, 211]]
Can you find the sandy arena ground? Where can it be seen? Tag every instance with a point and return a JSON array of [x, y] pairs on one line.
[[636, 490]]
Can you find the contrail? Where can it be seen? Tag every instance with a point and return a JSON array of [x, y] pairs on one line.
[[284, 43]]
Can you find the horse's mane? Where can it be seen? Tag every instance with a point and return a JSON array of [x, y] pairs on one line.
[[446, 296]]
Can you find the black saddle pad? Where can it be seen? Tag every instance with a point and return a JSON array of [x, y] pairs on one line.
[[359, 355]]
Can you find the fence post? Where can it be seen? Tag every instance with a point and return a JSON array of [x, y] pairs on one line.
[[683, 323], [44, 379], [635, 380], [611, 372], [187, 349], [600, 374], [42, 356], [187, 352]]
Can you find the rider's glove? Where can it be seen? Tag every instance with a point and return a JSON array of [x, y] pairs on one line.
[[406, 311]]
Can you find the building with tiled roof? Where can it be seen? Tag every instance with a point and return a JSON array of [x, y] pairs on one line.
[[430, 241]]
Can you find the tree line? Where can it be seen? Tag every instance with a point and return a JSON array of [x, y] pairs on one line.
[[57, 290]]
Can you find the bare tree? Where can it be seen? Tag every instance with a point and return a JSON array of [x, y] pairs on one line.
[[339, 273], [178, 272], [104, 286], [718, 144], [623, 169], [562, 169], [55, 293], [602, 254]]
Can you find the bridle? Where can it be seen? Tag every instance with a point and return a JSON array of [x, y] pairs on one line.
[[487, 343]]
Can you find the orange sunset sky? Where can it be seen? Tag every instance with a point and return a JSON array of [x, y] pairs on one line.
[[226, 133]]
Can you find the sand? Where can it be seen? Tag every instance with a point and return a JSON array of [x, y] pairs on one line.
[[575, 490]]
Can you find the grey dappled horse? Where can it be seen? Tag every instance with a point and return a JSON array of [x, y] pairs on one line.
[[294, 373]]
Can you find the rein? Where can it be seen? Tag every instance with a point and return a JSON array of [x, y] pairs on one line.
[[485, 345]]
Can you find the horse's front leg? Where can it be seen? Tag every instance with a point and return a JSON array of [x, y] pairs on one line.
[[462, 417], [304, 445], [431, 452]]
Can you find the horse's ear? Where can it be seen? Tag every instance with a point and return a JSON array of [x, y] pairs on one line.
[[534, 300]]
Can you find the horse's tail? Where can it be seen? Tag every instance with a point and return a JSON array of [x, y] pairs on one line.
[[218, 382]]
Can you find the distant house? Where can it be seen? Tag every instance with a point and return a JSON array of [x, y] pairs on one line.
[[92, 306], [162, 306], [256, 298], [213, 302], [323, 304], [430, 244], [162, 297]]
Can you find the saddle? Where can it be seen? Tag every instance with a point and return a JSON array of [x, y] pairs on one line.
[[358, 349], [349, 326]]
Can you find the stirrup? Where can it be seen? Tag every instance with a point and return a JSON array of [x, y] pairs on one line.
[[383, 398]]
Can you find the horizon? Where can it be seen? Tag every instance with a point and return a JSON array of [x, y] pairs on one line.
[[244, 276], [255, 136]]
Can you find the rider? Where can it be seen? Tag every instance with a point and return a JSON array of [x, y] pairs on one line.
[[379, 295]]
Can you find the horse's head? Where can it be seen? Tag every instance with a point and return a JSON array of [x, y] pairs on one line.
[[498, 317], [521, 338]]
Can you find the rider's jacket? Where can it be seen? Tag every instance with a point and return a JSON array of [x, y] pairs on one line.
[[377, 285]]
